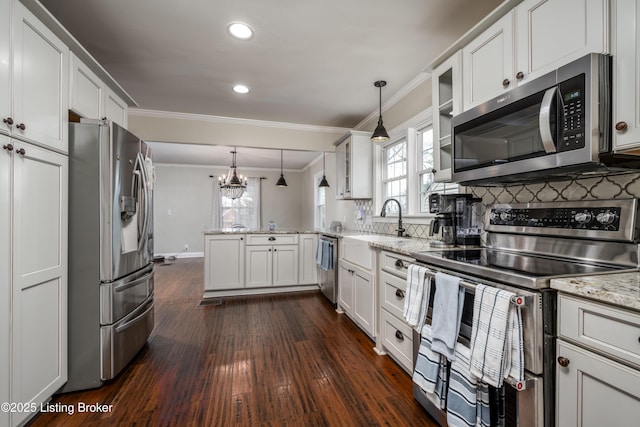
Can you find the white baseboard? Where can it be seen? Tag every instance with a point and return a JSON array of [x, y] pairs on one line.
[[183, 255]]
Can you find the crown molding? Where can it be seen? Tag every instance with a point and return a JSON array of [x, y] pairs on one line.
[[404, 91], [233, 121]]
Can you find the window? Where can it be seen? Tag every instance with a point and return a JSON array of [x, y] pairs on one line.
[[320, 203], [394, 180], [244, 210], [425, 169]]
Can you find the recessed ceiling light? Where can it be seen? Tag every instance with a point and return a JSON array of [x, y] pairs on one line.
[[240, 89], [240, 30]]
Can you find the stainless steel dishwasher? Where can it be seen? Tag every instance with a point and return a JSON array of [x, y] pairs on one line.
[[329, 277]]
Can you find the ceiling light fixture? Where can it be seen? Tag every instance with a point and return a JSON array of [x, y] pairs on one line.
[[323, 182], [240, 30], [281, 182], [380, 134], [232, 184], [240, 89]]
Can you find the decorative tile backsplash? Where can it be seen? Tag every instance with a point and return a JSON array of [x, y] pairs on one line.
[[620, 186]]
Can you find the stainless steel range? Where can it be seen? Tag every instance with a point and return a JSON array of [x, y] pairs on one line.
[[527, 245]]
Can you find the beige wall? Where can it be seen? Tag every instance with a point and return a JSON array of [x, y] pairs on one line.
[[416, 101], [182, 204], [194, 129]]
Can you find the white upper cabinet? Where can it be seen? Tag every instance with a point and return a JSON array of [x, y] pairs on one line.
[[115, 108], [40, 83], [625, 46], [85, 90], [5, 64], [551, 33], [487, 63], [536, 37], [354, 166], [447, 101]]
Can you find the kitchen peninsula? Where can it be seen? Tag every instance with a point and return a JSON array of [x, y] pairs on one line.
[[259, 262]]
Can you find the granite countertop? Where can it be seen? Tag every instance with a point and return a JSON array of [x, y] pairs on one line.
[[248, 231], [621, 289]]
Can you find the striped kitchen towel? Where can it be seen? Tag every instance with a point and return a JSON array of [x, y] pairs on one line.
[[416, 295], [447, 312], [430, 373], [463, 391], [496, 337]]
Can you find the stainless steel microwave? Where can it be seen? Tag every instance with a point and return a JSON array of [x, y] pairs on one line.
[[557, 125]]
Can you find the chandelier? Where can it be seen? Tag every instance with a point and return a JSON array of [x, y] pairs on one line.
[[232, 184]]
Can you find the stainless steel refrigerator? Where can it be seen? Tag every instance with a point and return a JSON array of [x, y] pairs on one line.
[[110, 251]]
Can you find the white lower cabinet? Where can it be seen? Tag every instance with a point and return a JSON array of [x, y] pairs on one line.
[[252, 263], [357, 295], [308, 268], [224, 262], [396, 336], [598, 369], [594, 391], [275, 265], [33, 269]]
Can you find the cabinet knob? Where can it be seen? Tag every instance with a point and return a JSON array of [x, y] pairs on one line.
[[563, 361], [272, 238], [621, 126], [400, 264], [21, 151], [8, 121], [275, 250], [242, 238], [269, 250], [433, 171], [21, 126], [399, 293], [520, 75], [399, 335], [506, 82], [8, 147]]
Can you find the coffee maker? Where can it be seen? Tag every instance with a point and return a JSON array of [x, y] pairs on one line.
[[457, 221]]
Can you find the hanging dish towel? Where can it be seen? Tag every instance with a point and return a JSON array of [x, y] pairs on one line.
[[467, 403], [430, 373], [416, 298], [447, 312], [496, 338]]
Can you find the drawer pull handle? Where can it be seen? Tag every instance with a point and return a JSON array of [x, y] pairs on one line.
[[400, 264], [399, 335], [563, 361], [399, 293], [272, 238]]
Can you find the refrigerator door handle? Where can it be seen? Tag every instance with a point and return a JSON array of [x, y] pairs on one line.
[[145, 189], [132, 283]]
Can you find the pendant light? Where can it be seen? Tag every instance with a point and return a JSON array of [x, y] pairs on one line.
[[232, 184], [281, 182], [323, 181], [380, 134]]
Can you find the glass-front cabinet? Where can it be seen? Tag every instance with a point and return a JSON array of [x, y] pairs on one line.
[[447, 101], [354, 166]]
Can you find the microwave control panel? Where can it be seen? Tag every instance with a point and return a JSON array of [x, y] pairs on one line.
[[601, 218], [572, 126]]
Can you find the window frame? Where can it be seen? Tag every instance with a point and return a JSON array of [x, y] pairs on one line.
[[403, 138]]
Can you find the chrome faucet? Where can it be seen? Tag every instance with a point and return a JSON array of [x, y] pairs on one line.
[[384, 213]]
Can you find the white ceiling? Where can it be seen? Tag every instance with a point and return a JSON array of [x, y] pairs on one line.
[[309, 62]]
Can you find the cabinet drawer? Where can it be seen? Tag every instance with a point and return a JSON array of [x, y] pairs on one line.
[[397, 339], [393, 294], [272, 239], [607, 329], [395, 263]]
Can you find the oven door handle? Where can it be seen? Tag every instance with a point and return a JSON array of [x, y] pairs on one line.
[[545, 121]]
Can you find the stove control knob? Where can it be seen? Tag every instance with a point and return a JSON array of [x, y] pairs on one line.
[[506, 216], [606, 218], [583, 217]]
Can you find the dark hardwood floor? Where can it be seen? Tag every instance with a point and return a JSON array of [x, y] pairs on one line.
[[248, 361]]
